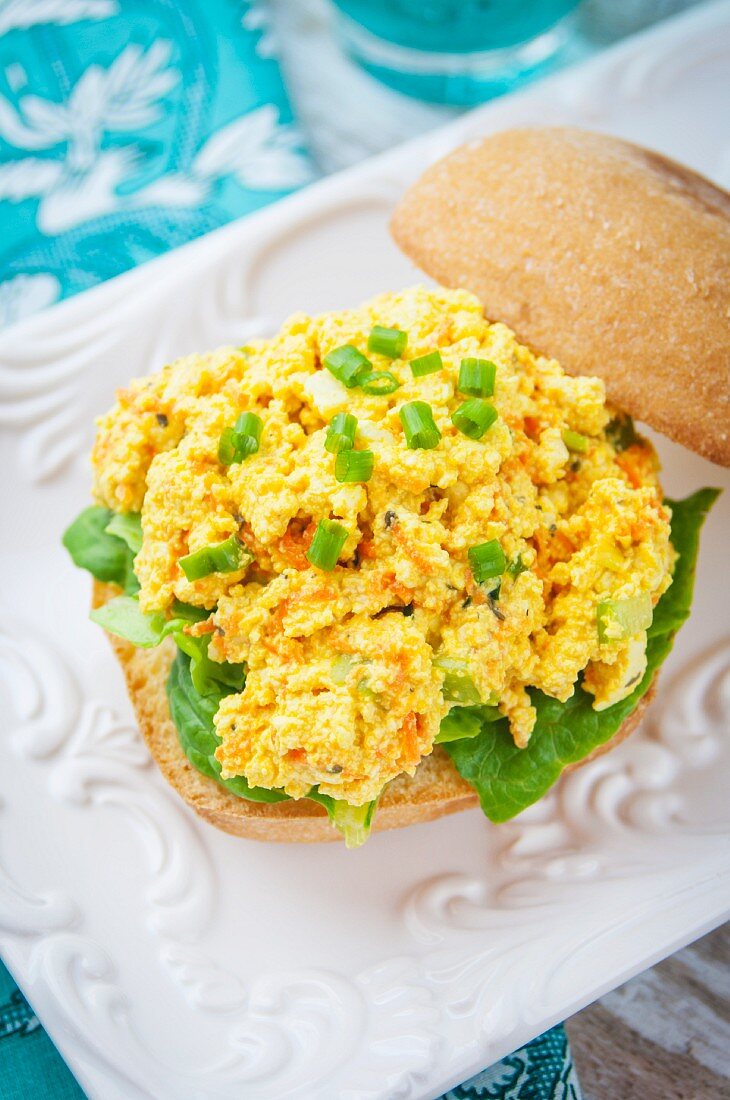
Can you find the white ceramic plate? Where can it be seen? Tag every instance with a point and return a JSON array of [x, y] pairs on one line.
[[168, 960]]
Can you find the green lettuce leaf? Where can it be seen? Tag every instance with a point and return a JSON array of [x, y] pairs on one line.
[[127, 526], [105, 543], [122, 616], [465, 722], [508, 779], [105, 554], [192, 715], [216, 678]]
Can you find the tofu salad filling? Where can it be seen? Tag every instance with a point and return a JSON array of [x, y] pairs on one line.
[[382, 530]]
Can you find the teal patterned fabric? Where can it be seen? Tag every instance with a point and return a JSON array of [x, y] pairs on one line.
[[543, 1070], [128, 127], [30, 1066]]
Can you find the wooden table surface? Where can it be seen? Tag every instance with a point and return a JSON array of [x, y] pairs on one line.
[[665, 1035]]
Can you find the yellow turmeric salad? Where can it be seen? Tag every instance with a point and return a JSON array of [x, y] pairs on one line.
[[383, 514]]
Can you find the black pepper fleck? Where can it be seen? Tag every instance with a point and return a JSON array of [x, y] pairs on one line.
[[390, 518], [495, 610], [162, 420], [406, 609]]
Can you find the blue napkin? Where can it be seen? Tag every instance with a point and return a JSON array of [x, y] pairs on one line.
[[126, 129]]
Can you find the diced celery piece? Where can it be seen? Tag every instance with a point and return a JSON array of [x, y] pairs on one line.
[[621, 619], [341, 667], [458, 686], [574, 441]]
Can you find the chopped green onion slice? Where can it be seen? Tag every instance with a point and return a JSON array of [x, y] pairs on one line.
[[387, 341], [354, 465], [463, 722], [240, 441], [487, 560], [574, 441], [348, 365], [474, 417], [515, 567], [427, 364], [379, 382], [419, 426], [248, 429], [621, 619], [340, 433], [458, 686], [227, 447], [329, 538], [220, 557], [188, 612], [476, 377]]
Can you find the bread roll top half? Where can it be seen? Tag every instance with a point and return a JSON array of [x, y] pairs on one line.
[[606, 256]]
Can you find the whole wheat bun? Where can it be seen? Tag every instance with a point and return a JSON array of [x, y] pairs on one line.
[[435, 790], [608, 257]]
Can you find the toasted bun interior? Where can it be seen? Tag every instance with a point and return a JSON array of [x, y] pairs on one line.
[[606, 256], [435, 790]]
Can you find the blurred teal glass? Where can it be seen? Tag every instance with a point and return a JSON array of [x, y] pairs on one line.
[[455, 51]]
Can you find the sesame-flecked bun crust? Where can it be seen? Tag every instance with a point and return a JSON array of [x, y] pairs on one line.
[[609, 257]]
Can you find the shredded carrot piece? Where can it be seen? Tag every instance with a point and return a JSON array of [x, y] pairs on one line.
[[366, 550], [561, 546], [411, 753], [250, 541], [197, 630], [293, 545], [532, 427], [394, 589], [635, 462], [410, 551]]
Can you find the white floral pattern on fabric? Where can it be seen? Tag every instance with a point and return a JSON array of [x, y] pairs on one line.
[[255, 149], [25, 294], [114, 149], [257, 17], [22, 14], [543, 1070]]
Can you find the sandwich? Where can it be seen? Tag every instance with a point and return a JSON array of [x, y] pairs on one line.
[[396, 561]]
